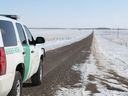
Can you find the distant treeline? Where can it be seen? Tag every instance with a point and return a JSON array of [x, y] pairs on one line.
[[102, 28]]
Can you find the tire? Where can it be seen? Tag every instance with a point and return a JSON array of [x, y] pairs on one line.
[[37, 77], [17, 86]]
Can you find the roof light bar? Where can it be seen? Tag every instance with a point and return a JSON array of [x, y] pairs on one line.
[[16, 17]]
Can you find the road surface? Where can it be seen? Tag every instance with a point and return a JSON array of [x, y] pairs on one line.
[[57, 68]]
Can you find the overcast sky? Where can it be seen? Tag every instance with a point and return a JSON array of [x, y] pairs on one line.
[[68, 13]]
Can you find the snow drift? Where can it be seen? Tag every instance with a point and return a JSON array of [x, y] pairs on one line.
[[97, 51]]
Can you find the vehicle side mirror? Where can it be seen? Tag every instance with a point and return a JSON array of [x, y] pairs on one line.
[[40, 40]]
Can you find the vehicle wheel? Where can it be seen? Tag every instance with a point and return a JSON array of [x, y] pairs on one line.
[[37, 77], [17, 86]]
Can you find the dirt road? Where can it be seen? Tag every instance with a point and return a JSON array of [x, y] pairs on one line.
[[57, 68]]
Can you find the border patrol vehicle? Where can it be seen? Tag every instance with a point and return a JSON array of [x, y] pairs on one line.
[[21, 57]]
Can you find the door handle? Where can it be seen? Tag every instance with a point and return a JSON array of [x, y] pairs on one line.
[[23, 53], [32, 51]]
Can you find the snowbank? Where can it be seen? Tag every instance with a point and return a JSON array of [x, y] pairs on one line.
[[116, 55], [97, 50]]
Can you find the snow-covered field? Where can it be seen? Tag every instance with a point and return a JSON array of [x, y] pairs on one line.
[[117, 36], [115, 54], [56, 38], [59, 34]]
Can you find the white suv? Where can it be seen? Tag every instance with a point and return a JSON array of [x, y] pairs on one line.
[[21, 56]]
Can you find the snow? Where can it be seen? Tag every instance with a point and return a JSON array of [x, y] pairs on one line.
[[59, 34], [60, 37], [108, 66], [115, 54], [89, 68], [116, 36]]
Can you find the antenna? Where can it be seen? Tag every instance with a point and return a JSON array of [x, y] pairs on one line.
[[10, 16]]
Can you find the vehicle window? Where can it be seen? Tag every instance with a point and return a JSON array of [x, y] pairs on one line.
[[8, 33], [21, 34], [30, 38]]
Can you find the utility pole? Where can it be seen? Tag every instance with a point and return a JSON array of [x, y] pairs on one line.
[[118, 33], [93, 30]]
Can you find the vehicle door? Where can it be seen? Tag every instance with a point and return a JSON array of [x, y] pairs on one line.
[[26, 48], [33, 52]]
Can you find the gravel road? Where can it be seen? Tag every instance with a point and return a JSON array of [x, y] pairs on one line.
[[57, 68]]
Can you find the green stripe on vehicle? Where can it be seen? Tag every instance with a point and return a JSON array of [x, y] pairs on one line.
[[12, 50], [26, 60]]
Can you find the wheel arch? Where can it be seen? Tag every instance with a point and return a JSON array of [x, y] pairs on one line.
[[20, 68]]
